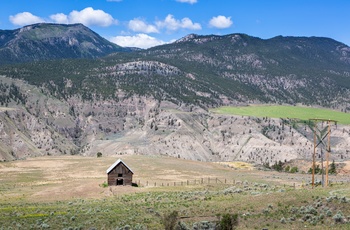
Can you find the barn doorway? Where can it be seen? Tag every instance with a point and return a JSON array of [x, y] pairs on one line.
[[120, 182]]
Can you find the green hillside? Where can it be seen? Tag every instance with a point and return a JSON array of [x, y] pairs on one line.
[[195, 70], [281, 111]]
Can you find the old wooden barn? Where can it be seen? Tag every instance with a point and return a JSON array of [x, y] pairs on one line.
[[119, 174]]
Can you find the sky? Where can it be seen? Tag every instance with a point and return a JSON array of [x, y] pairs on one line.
[[147, 23]]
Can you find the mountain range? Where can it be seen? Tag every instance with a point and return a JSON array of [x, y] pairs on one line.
[[46, 41], [66, 90]]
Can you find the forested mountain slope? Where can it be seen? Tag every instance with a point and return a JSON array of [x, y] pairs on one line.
[[46, 41], [156, 101]]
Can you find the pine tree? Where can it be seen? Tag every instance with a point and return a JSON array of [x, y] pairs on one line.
[[332, 169]]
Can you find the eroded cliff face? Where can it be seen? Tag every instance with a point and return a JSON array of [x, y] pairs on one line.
[[45, 125]]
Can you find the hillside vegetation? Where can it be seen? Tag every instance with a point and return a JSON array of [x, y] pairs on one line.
[[208, 71], [157, 101]]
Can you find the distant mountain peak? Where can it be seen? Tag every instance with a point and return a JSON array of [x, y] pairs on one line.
[[47, 41], [187, 38], [200, 39]]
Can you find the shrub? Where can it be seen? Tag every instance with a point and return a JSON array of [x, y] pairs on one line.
[[104, 184], [332, 169], [294, 170], [307, 217], [169, 220], [265, 211], [287, 168], [228, 221], [99, 154], [204, 225], [339, 217], [283, 220], [181, 226], [343, 199], [44, 225]]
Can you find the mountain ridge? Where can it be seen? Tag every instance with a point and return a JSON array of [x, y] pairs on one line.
[[156, 101], [48, 41]]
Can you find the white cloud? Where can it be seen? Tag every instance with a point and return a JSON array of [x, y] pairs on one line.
[[172, 24], [140, 40], [137, 25], [187, 1], [60, 18], [220, 22], [25, 18], [87, 16]]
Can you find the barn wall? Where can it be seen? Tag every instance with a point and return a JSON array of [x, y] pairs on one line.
[[113, 175]]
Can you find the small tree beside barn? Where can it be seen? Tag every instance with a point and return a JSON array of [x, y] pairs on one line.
[[119, 174]]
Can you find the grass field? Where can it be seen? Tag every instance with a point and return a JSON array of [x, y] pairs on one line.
[[282, 111], [66, 192]]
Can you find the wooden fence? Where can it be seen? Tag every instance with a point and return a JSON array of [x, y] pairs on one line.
[[208, 180], [200, 181]]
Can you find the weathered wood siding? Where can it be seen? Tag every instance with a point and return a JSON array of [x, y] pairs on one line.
[[120, 173]]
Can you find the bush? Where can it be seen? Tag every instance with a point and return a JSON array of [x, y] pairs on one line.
[[339, 217], [169, 220], [204, 225], [228, 222], [287, 168], [104, 184], [294, 170], [283, 220], [332, 169], [181, 226], [99, 154]]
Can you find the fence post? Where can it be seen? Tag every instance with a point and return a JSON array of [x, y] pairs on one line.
[[225, 180], [187, 182], [147, 183], [216, 180], [155, 184], [202, 181]]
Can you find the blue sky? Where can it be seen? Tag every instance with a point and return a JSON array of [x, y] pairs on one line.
[[146, 23]]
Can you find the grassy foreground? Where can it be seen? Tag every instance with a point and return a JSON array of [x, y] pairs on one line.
[[70, 196], [282, 111]]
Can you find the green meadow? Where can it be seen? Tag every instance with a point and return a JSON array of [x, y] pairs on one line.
[[283, 111]]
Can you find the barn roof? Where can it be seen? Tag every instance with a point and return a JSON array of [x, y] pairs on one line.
[[117, 163]]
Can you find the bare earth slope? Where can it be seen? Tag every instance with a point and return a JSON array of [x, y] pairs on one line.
[[142, 125]]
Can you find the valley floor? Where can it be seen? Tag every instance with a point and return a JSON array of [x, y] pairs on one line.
[[67, 192]]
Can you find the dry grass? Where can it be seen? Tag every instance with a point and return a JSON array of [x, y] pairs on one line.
[[66, 192], [66, 177]]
